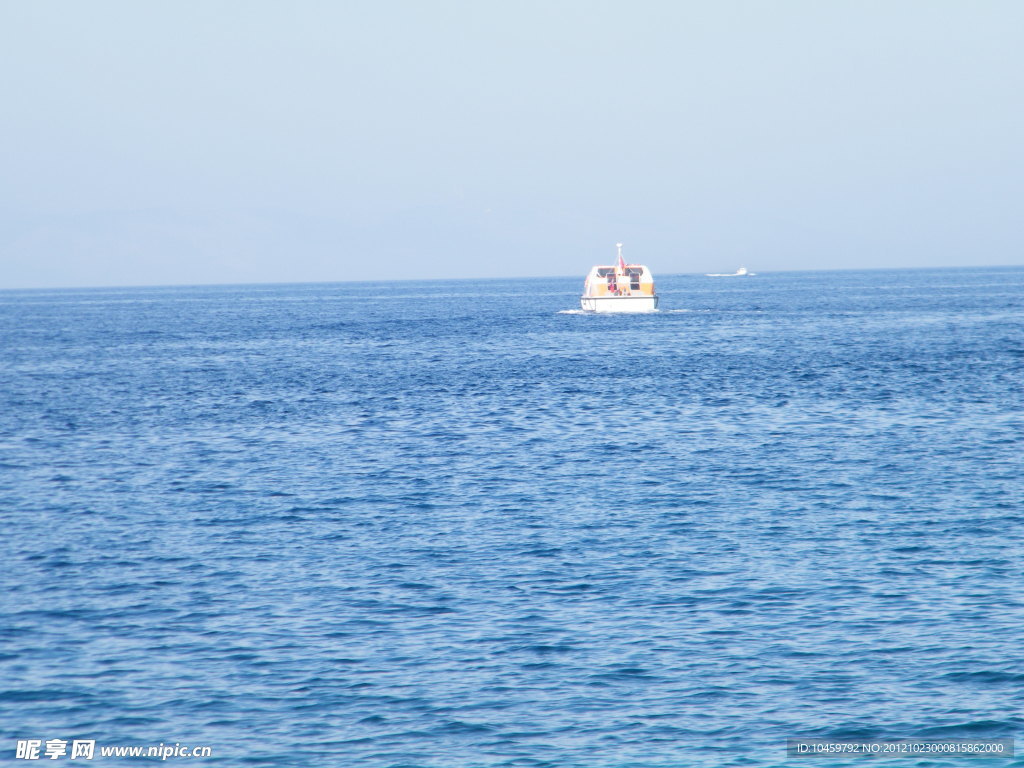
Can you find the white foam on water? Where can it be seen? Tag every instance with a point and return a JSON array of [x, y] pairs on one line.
[[651, 312]]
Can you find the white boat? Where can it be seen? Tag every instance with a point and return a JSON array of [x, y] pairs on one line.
[[619, 288], [738, 273]]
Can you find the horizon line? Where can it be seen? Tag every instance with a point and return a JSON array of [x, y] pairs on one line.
[[474, 279]]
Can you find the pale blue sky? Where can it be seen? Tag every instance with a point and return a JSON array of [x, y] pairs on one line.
[[241, 141]]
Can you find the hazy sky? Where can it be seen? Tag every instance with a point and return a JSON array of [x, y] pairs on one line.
[[239, 141]]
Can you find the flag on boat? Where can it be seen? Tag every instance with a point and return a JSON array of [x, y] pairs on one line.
[[622, 263]]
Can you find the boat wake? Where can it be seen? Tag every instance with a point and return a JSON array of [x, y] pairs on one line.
[[741, 272], [649, 312]]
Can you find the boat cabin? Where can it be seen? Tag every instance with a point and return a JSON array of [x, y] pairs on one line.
[[629, 280]]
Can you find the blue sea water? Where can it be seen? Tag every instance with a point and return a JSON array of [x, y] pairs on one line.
[[451, 524]]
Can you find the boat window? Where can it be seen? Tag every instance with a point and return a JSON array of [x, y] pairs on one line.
[[605, 271]]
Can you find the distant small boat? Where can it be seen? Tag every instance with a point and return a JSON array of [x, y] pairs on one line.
[[620, 288], [738, 273]]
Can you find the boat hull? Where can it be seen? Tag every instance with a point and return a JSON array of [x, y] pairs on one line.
[[619, 303]]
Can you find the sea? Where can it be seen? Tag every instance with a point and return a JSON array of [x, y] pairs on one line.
[[461, 524]]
